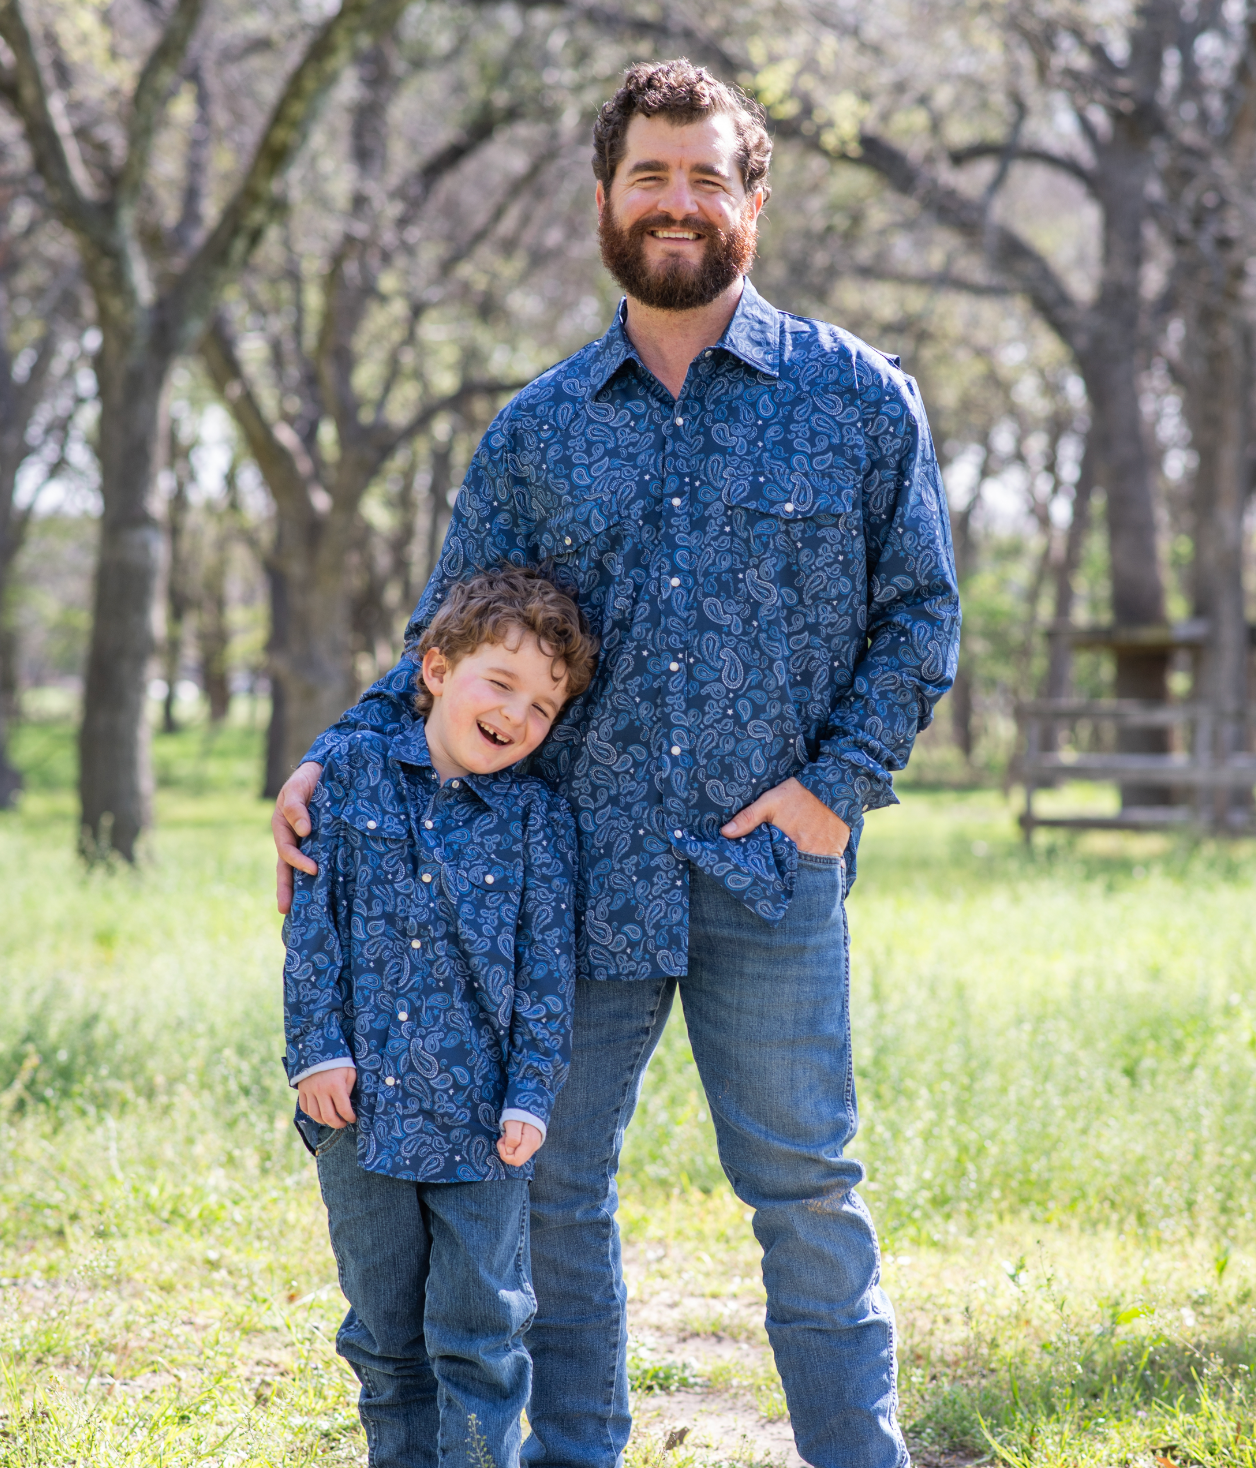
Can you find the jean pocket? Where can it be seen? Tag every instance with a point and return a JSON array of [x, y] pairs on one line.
[[328, 1136], [816, 862]]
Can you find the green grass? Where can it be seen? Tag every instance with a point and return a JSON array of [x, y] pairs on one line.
[[1056, 1060]]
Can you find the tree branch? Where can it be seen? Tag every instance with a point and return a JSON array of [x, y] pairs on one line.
[[151, 91], [278, 456], [1070, 166], [256, 202], [49, 134], [1006, 252]]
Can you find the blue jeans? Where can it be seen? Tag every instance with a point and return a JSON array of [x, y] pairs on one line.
[[769, 1020], [436, 1275]]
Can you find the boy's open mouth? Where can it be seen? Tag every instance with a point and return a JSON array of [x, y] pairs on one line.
[[491, 736]]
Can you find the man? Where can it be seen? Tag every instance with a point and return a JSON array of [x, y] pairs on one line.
[[749, 509]]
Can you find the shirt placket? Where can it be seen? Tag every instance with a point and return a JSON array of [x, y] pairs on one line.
[[677, 753]]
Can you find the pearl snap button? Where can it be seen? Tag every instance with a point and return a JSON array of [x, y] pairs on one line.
[[680, 423], [427, 876], [455, 783], [675, 748], [566, 539], [675, 580], [676, 502], [788, 506], [678, 834], [404, 1015], [390, 1080], [370, 825], [414, 943], [428, 824], [675, 667], [489, 878]]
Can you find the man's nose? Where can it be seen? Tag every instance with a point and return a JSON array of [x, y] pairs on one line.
[[678, 198]]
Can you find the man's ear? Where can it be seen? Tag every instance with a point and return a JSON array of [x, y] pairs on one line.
[[435, 670], [599, 195]]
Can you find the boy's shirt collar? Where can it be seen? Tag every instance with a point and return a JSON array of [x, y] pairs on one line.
[[410, 748]]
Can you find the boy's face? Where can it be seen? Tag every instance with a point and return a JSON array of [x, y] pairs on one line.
[[492, 707]]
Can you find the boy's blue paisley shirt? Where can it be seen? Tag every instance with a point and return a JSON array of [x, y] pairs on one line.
[[436, 945], [767, 561]]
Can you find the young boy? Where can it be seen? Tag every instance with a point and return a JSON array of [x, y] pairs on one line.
[[427, 996]]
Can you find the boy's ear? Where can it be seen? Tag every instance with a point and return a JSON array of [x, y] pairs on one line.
[[435, 670]]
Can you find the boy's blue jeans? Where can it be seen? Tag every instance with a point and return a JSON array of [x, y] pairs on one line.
[[769, 1020], [437, 1279]]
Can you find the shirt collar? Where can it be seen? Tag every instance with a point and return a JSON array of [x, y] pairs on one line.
[[753, 336], [410, 748]]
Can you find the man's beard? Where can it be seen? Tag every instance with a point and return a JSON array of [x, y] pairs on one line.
[[676, 285]]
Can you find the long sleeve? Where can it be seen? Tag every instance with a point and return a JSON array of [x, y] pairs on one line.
[[316, 977], [913, 619], [545, 963]]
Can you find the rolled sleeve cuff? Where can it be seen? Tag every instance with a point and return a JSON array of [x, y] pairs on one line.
[[848, 787], [514, 1113], [324, 1042], [342, 1062]]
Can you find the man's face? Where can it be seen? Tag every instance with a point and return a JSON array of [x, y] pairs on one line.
[[678, 227]]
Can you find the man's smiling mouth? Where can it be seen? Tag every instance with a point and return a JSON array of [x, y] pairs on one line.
[[491, 735], [675, 234]]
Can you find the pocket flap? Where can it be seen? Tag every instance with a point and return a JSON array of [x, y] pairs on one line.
[[574, 525], [796, 494], [371, 818]]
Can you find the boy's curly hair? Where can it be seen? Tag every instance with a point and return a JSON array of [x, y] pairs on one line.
[[490, 605], [681, 92]]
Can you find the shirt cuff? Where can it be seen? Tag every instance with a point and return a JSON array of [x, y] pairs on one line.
[[342, 1062], [512, 1113]]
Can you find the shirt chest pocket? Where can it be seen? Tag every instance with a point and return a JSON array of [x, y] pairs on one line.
[[570, 526], [801, 533], [484, 891], [380, 827]]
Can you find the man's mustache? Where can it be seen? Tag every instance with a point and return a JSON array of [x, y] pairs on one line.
[[697, 226]]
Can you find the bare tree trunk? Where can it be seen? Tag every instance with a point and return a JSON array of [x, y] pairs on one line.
[[310, 651], [115, 782], [10, 775], [178, 596], [277, 770], [1220, 419], [212, 632]]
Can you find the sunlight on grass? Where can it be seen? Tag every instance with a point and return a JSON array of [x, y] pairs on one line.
[[1056, 1059]]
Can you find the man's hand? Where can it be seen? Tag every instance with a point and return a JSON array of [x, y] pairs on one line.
[[324, 1096], [518, 1141], [792, 808], [291, 821]]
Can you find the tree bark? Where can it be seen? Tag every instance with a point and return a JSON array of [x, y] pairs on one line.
[[212, 631], [178, 575], [115, 782]]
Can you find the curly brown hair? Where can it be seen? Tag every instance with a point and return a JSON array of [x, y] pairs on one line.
[[681, 92], [490, 605]]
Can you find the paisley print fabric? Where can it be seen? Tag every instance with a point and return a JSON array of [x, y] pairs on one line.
[[436, 946], [767, 561]]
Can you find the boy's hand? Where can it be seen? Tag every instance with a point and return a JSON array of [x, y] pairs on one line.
[[325, 1097], [518, 1141]]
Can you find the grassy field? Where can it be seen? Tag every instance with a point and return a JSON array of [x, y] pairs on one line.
[[1057, 1072]]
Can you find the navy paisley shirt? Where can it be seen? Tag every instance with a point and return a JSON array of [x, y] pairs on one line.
[[767, 561], [436, 946]]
